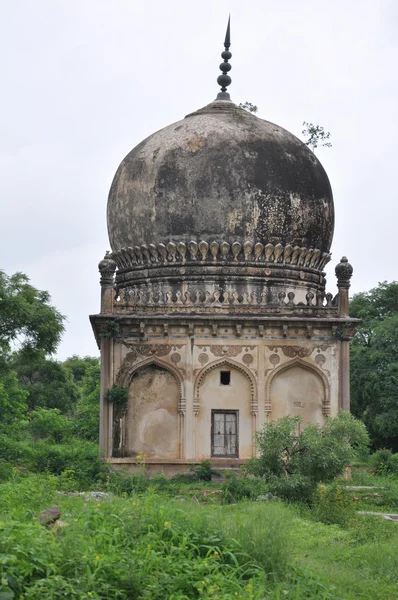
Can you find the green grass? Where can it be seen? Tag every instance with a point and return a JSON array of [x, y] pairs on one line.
[[168, 546]]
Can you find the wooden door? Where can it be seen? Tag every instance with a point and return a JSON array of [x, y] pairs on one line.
[[224, 433]]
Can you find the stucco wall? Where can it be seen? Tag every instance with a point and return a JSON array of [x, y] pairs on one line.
[[151, 422], [298, 391], [214, 396], [174, 384]]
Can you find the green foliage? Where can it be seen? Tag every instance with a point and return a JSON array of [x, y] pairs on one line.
[[143, 547], [385, 462], [77, 457], [87, 410], [248, 106], [293, 462], [295, 488], [80, 367], [374, 363], [13, 405], [334, 505], [148, 546], [112, 329], [45, 456], [117, 395], [204, 471], [48, 383], [316, 136], [26, 316], [264, 532], [6, 472], [51, 424], [237, 488]]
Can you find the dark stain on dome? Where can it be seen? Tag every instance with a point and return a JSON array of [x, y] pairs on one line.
[[221, 172]]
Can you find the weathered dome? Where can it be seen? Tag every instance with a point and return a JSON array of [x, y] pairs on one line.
[[221, 174]]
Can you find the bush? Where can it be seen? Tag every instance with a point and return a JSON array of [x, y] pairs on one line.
[[296, 488], [50, 423], [294, 462], [6, 471], [237, 488], [15, 451], [123, 483], [184, 478], [117, 395], [78, 458], [334, 505], [204, 471], [385, 462]]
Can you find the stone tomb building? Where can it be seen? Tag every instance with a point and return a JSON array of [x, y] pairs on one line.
[[214, 313]]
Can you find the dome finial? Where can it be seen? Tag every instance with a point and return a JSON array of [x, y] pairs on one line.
[[224, 80]]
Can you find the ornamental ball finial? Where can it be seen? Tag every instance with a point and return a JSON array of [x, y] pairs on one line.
[[344, 272], [107, 268], [225, 80]]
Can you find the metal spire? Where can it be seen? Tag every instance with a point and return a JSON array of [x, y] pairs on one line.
[[224, 80]]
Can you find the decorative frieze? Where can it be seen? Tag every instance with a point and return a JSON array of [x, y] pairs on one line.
[[187, 299], [220, 252]]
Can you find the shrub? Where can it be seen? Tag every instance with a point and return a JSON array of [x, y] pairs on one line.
[[334, 505], [308, 457], [50, 423], [237, 488], [184, 477], [204, 471], [80, 457], [6, 471], [117, 395], [385, 462], [296, 488], [15, 451], [123, 483]]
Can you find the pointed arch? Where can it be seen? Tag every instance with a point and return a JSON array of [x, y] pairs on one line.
[[234, 365], [126, 375], [305, 365]]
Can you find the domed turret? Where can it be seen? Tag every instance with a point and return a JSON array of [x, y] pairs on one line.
[[217, 190], [221, 173]]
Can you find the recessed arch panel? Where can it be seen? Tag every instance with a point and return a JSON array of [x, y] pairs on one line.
[[297, 389], [151, 422], [214, 398]]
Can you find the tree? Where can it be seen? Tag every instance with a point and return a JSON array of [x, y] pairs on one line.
[[79, 366], [294, 462], [316, 136], [48, 383], [30, 327], [374, 363], [87, 411], [12, 399], [27, 319]]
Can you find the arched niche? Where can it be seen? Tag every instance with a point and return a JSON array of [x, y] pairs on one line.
[[233, 399], [298, 389], [151, 424]]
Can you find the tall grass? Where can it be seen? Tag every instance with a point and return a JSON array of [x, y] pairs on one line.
[[145, 546]]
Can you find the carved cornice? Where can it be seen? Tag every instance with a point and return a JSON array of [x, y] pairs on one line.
[[219, 252]]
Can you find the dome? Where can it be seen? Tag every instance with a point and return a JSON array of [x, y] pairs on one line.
[[224, 175]]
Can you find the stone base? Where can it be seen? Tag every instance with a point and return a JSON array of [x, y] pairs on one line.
[[154, 466]]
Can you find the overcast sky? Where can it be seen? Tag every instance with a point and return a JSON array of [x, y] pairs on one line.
[[84, 81]]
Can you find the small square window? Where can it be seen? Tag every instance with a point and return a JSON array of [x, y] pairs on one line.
[[225, 377]]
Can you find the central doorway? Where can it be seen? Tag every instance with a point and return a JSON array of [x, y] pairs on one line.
[[224, 433]]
